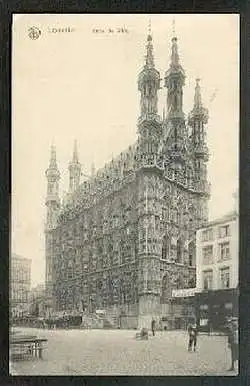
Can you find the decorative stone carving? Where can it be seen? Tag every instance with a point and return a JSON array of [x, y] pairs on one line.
[[128, 207]]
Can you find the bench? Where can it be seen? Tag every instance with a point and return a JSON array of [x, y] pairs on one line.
[[21, 346]]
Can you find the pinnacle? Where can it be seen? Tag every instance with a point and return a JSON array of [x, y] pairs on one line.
[[53, 163], [197, 95], [75, 153]]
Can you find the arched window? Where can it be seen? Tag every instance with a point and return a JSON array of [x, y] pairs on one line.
[[110, 253], [175, 101], [179, 251], [191, 254], [100, 250], [50, 188], [191, 283], [165, 248], [122, 251]]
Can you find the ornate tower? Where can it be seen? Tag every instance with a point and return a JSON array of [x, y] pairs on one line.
[[149, 122], [174, 125], [53, 206], [197, 120], [174, 81], [52, 199], [74, 171], [148, 177]]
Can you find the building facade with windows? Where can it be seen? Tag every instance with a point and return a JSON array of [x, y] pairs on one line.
[[217, 269], [124, 239], [38, 301], [20, 282]]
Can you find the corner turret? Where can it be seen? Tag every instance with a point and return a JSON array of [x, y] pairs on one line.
[[52, 198], [174, 122], [197, 120], [149, 122]]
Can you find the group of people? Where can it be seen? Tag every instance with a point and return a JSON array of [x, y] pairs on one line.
[[233, 338]]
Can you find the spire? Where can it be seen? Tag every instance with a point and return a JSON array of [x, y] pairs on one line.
[[175, 80], [149, 82], [198, 109], [53, 163], [149, 27], [197, 95], [74, 170], [75, 153], [149, 47], [174, 53], [52, 170], [173, 27]]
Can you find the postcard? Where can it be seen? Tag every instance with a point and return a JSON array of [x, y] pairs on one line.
[[125, 194]]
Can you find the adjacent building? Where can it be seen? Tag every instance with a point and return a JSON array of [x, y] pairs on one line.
[[124, 238], [20, 281], [217, 270], [38, 301]]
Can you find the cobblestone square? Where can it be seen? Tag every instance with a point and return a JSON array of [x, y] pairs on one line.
[[116, 352]]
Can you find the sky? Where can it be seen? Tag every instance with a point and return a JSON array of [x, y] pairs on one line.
[[83, 85]]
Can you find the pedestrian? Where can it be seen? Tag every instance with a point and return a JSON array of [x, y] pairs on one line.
[[209, 327], [153, 327], [233, 341], [192, 333]]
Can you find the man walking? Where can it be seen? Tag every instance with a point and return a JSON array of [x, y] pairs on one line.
[[153, 327], [233, 342], [192, 332]]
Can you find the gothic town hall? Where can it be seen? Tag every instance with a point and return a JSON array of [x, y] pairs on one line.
[[125, 237]]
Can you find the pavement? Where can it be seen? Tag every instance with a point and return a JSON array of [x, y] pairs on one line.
[[117, 352]]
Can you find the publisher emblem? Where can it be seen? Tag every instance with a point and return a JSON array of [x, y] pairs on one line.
[[34, 33]]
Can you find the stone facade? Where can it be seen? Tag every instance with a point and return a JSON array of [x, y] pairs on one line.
[[20, 282], [125, 238]]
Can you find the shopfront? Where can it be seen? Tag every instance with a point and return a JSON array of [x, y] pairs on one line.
[[213, 308]]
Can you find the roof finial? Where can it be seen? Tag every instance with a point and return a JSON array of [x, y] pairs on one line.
[[174, 55], [149, 27], [149, 47], [53, 156], [197, 95], [75, 152], [173, 27]]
